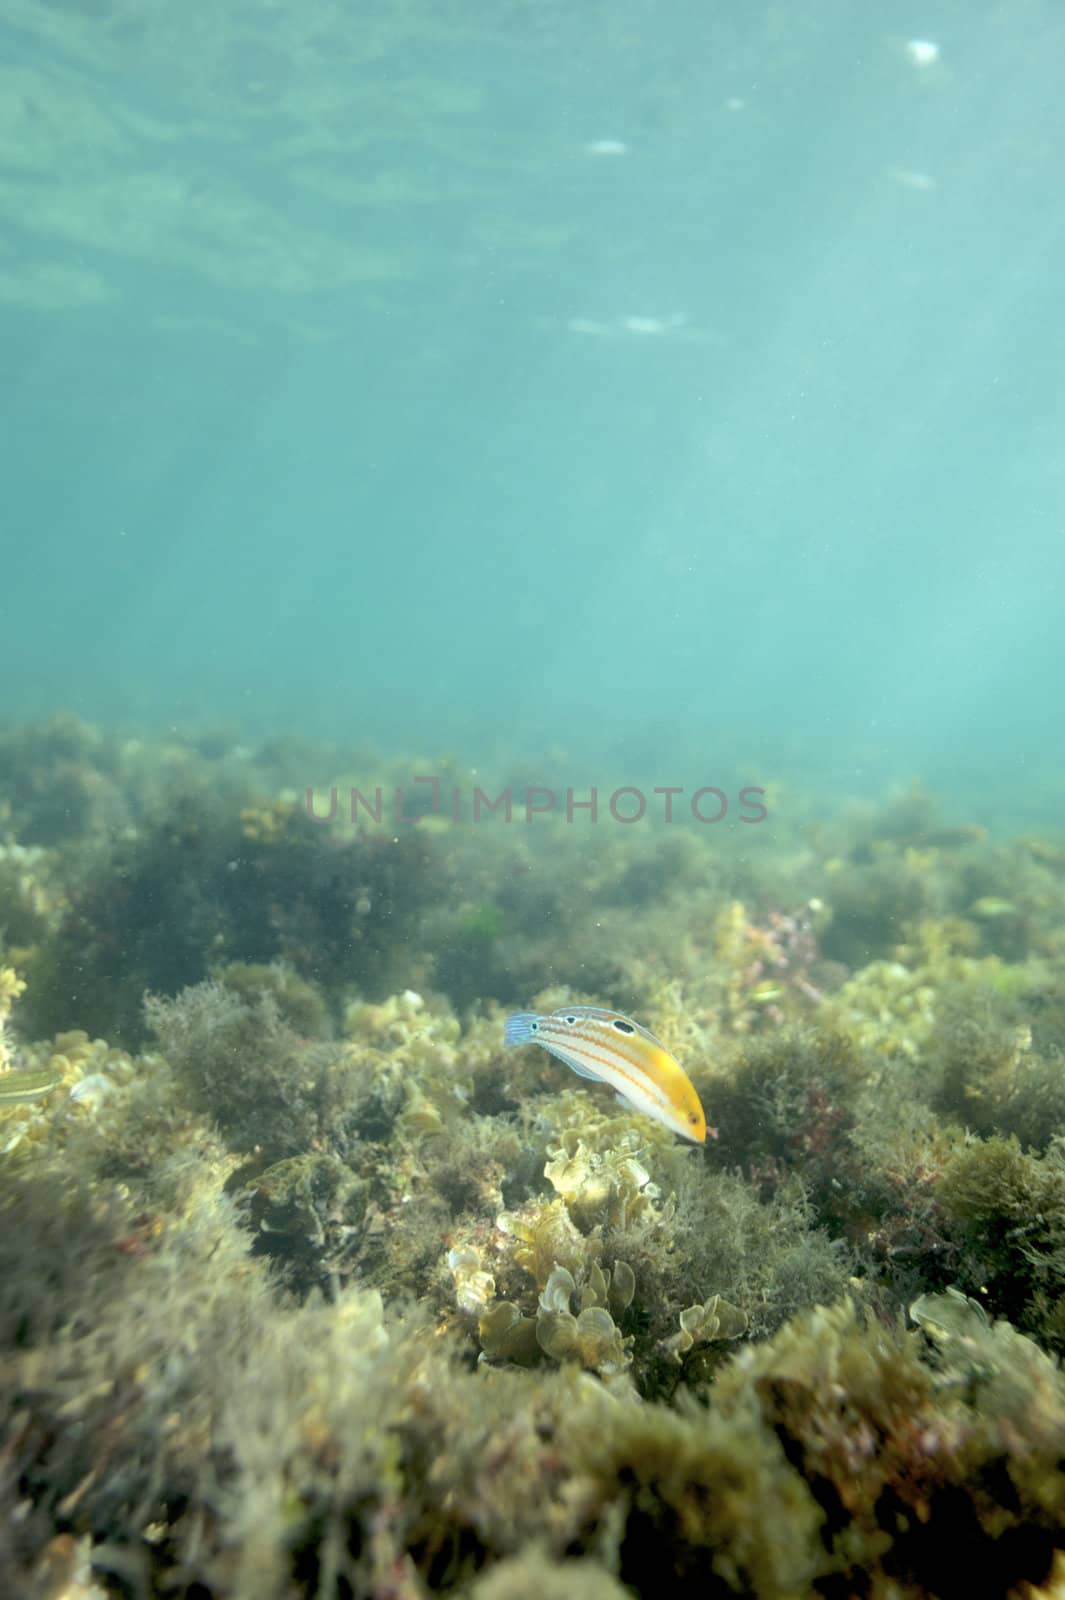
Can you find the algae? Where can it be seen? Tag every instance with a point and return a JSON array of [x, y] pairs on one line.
[[311, 1289]]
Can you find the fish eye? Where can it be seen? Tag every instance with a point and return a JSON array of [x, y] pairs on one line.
[[622, 1026], [569, 1021], [534, 1027], [692, 1118]]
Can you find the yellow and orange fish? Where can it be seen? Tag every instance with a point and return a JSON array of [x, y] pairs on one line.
[[604, 1045]]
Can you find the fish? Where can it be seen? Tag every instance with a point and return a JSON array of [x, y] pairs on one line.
[[610, 1048], [22, 1084]]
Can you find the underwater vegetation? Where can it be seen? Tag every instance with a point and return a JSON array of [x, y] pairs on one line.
[[59, 781], [312, 1289], [193, 889]]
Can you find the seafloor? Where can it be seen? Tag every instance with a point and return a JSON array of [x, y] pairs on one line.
[[308, 1288]]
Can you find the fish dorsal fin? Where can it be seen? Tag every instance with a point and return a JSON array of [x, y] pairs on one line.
[[603, 1014]]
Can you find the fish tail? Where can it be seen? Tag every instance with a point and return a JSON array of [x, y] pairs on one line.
[[518, 1028]]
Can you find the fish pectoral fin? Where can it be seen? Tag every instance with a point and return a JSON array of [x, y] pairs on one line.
[[623, 1100], [572, 1063]]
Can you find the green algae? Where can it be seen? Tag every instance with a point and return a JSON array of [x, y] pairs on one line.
[[324, 1293], [952, 1315], [591, 1336], [708, 1323], [1004, 1212]]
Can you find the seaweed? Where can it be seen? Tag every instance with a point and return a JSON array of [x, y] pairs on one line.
[[1004, 1211], [790, 1104], [322, 1292], [991, 1079], [200, 887], [245, 1068]]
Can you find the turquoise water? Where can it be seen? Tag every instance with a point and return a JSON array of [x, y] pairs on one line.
[[667, 385]]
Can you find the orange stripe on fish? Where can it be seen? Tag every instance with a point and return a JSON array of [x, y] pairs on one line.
[[609, 1047]]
